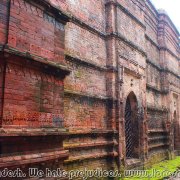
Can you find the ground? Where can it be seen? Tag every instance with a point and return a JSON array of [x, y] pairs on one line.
[[162, 170]]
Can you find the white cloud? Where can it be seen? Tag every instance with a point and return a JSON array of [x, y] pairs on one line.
[[172, 7]]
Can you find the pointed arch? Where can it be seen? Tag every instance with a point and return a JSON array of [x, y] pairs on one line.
[[131, 126]]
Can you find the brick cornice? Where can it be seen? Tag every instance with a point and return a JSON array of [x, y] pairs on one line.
[[131, 61], [130, 43], [152, 41], [83, 62], [161, 69], [12, 132], [169, 71], [152, 6], [171, 24], [152, 88], [86, 26], [89, 96], [89, 144], [153, 64], [48, 7], [104, 36], [91, 156], [153, 108], [132, 72], [58, 69], [168, 50], [161, 47], [33, 158], [92, 131]]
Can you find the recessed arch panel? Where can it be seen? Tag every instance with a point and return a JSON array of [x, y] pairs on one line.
[[131, 126]]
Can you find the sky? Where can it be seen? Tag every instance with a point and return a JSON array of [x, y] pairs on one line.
[[172, 7]]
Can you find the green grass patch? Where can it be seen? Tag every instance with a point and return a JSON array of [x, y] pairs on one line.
[[157, 172]]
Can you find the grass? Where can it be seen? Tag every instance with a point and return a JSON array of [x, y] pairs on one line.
[[158, 171]]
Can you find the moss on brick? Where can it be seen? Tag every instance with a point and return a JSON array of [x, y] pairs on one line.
[[168, 166]]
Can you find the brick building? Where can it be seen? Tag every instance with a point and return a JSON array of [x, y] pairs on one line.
[[87, 83]]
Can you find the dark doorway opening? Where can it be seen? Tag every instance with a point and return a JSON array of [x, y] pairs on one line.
[[176, 131], [131, 127]]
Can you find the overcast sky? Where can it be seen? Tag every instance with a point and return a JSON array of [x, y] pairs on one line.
[[172, 7]]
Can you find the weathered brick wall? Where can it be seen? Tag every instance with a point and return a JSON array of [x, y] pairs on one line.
[[1, 88], [85, 45], [89, 150], [161, 54], [172, 63], [157, 119], [31, 85], [174, 82], [152, 51], [132, 34], [90, 12], [3, 21], [132, 58], [154, 99], [85, 106], [130, 55], [18, 145], [90, 164], [35, 101], [171, 39], [170, 34], [25, 35], [112, 48], [85, 113], [176, 123], [157, 137], [151, 22], [86, 80], [85, 88], [153, 75], [136, 8]]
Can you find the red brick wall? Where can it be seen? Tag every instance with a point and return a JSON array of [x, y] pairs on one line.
[[151, 22], [170, 34], [152, 76], [85, 45], [134, 7], [35, 31], [91, 12], [95, 93], [171, 39], [158, 137], [27, 145], [1, 89], [86, 80], [32, 98], [172, 63], [83, 113], [3, 20], [127, 52], [152, 52], [134, 32]]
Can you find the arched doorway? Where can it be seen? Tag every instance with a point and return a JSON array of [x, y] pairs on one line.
[[176, 139], [131, 127]]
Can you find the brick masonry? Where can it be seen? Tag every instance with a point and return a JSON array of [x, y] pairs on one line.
[[67, 68]]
